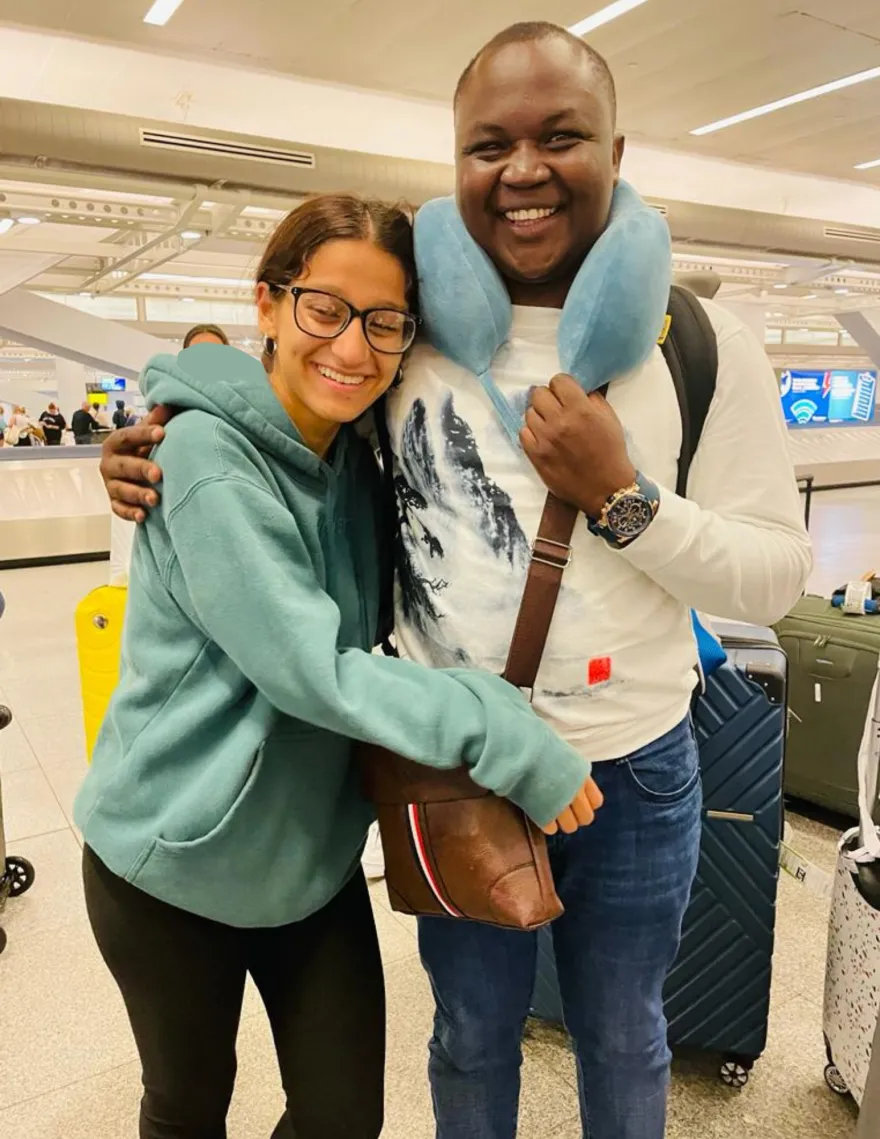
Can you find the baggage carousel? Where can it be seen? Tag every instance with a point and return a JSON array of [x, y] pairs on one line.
[[53, 507]]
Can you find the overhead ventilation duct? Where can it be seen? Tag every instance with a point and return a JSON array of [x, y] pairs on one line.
[[696, 224], [67, 138], [201, 144]]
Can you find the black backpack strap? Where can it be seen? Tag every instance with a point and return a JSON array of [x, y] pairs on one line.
[[691, 351], [389, 533]]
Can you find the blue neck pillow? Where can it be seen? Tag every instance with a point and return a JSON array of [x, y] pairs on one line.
[[612, 317]]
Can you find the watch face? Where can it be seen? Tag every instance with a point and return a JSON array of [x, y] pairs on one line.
[[630, 516]]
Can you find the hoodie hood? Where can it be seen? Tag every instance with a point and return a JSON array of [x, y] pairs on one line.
[[233, 386]]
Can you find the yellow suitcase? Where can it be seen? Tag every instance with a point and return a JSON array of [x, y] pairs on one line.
[[99, 618]]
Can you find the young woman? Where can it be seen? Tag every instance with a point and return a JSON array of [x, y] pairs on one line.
[[222, 816]]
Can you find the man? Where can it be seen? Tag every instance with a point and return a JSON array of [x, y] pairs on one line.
[[537, 160], [83, 424], [120, 415], [54, 425]]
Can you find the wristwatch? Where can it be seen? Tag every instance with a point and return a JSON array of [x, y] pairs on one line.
[[627, 513]]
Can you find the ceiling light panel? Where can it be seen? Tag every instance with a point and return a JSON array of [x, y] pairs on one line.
[[604, 16], [790, 101], [161, 12], [868, 165]]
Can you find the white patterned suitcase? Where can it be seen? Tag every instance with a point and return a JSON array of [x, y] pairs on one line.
[[852, 980], [869, 1120]]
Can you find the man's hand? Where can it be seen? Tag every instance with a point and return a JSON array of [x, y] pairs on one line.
[[580, 812], [126, 469], [576, 444]]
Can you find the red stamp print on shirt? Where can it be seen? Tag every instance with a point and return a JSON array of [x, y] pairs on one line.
[[599, 671]]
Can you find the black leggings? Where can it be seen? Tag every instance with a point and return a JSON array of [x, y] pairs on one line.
[[182, 978]]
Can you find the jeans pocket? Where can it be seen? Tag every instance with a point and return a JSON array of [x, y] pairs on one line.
[[667, 770]]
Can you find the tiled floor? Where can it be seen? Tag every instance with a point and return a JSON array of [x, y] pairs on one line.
[[68, 1067]]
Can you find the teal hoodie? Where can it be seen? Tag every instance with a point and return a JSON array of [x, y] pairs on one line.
[[222, 780]]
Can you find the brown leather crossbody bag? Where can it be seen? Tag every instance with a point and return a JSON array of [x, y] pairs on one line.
[[453, 849]]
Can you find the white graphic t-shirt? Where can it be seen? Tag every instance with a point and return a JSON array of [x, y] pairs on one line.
[[618, 668]]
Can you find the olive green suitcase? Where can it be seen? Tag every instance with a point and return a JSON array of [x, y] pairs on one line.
[[832, 664]]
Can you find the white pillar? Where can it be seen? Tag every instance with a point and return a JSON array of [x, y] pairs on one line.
[[70, 383], [864, 327], [105, 345]]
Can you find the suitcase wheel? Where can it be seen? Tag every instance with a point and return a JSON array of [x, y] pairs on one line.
[[835, 1080], [19, 876], [735, 1071]]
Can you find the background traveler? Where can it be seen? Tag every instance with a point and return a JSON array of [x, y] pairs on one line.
[[83, 424], [54, 425], [205, 334]]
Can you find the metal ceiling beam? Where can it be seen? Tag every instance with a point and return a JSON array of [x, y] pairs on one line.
[[75, 206], [807, 274], [90, 179], [162, 247], [222, 216]]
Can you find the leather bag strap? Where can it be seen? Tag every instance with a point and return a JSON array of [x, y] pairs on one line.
[[551, 553]]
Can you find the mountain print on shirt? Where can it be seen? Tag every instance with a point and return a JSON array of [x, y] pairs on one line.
[[437, 489]]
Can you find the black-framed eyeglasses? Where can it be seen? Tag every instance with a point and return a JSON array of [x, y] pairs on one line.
[[327, 316]]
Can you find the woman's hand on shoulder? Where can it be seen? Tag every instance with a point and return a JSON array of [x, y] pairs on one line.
[[127, 470]]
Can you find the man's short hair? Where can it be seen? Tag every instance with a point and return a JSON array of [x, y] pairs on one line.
[[532, 31]]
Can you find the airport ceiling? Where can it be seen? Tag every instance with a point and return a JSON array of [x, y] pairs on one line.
[[680, 64]]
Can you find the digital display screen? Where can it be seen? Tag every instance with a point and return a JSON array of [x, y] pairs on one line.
[[111, 385], [836, 396]]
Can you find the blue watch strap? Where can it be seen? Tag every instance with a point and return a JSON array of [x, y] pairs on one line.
[[651, 493]]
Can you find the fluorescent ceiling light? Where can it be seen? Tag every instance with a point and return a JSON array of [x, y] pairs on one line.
[[790, 101], [162, 11], [780, 286], [841, 292], [868, 165], [604, 16], [811, 297], [191, 235], [28, 221], [6, 225]]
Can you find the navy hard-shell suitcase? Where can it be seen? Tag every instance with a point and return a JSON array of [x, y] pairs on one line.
[[718, 993]]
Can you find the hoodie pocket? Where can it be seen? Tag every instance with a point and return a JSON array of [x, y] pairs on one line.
[[282, 848], [188, 873]]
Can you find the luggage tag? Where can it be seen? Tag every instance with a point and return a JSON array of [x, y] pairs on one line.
[[856, 597], [817, 881]]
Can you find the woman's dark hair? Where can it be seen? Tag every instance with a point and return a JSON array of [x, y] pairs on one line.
[[205, 330], [334, 217]]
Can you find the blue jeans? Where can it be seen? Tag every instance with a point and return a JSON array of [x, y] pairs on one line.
[[625, 883]]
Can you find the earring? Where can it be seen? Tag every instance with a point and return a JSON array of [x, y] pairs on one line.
[[398, 379], [268, 346]]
